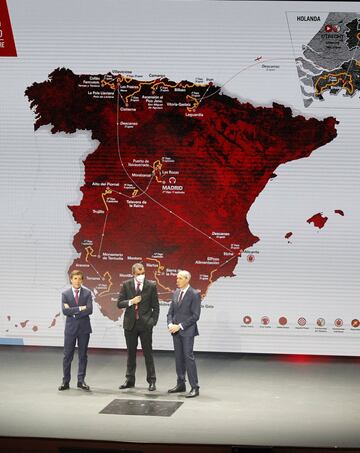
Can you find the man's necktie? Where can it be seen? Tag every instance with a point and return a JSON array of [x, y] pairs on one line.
[[77, 296], [137, 305], [180, 297]]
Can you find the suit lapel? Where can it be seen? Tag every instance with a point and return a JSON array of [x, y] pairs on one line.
[[146, 286], [185, 298], [132, 287], [176, 296], [71, 297], [81, 296]]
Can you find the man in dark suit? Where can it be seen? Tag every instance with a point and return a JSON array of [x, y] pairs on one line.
[[140, 299], [76, 306], [183, 313]]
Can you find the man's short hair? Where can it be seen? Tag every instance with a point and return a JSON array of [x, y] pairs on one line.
[[137, 267], [185, 274], [76, 272]]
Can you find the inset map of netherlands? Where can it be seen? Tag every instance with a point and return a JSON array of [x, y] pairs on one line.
[[329, 63]]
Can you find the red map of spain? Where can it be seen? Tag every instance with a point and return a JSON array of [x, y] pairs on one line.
[[178, 166]]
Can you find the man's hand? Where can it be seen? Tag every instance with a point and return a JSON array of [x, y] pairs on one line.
[[173, 328], [82, 307], [66, 306], [136, 300]]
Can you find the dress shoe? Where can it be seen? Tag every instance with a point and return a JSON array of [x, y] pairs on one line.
[[64, 387], [152, 387], [193, 393], [127, 385], [178, 388], [82, 385]]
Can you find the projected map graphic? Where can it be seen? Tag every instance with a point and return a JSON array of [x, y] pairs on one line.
[[217, 137], [177, 169], [330, 62]]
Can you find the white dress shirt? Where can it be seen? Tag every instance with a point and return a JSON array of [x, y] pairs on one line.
[[76, 289], [136, 286]]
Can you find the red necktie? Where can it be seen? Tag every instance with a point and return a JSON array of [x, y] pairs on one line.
[[77, 296], [137, 305], [180, 297]]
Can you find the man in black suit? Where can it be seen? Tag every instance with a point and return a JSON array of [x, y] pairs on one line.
[[76, 306], [140, 299], [183, 313]]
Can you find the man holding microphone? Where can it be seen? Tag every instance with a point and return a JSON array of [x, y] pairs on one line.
[[139, 297]]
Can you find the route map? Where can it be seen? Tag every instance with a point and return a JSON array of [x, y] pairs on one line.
[[330, 62], [177, 169]]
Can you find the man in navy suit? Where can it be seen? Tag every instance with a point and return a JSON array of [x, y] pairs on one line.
[[183, 313], [140, 299], [76, 306]]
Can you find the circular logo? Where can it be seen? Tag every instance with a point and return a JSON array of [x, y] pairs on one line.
[[283, 321], [336, 28], [338, 322], [328, 28], [247, 319], [172, 180], [302, 322], [251, 258], [265, 320], [355, 323], [320, 322]]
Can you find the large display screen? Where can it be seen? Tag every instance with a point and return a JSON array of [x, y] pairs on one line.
[[217, 137]]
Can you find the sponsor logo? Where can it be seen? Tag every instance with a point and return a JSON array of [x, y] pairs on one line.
[[283, 321], [332, 28], [338, 322], [355, 323], [302, 322], [251, 258], [265, 320], [247, 319]]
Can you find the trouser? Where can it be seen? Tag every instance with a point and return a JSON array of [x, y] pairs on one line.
[[132, 337], [185, 360], [69, 349]]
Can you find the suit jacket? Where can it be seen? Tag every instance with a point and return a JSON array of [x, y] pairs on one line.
[[77, 322], [148, 307], [186, 313]]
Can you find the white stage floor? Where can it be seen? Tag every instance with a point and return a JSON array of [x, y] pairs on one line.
[[245, 399]]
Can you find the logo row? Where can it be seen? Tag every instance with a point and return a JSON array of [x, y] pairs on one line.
[[302, 322]]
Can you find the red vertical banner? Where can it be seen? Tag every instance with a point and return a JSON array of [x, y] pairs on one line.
[[7, 43]]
